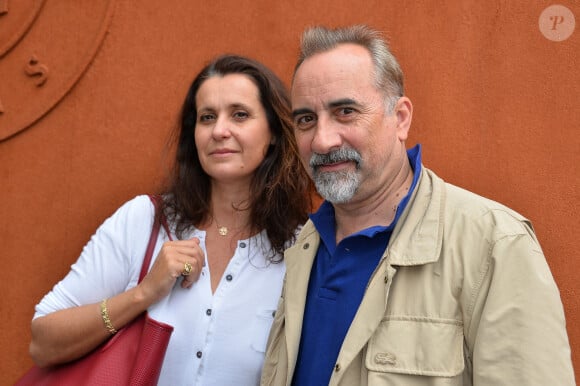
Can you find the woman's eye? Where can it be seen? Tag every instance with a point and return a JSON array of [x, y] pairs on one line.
[[206, 117], [241, 115]]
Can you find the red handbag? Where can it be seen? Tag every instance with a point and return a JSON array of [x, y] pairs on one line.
[[133, 356]]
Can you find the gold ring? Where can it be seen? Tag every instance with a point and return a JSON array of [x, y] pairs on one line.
[[186, 269]]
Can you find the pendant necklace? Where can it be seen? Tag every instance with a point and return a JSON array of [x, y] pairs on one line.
[[223, 231]]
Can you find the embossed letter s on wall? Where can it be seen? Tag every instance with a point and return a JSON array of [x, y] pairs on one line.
[[37, 70], [45, 48]]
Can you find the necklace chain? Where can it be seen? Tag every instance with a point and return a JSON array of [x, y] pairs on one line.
[[223, 230]]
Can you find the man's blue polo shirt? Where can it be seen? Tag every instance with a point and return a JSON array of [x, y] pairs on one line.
[[338, 279]]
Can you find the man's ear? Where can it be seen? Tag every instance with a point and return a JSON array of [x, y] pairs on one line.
[[404, 113]]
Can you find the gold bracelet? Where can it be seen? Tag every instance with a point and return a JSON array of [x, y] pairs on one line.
[[106, 320]]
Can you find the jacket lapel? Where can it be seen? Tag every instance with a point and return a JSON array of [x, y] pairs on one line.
[[299, 260]]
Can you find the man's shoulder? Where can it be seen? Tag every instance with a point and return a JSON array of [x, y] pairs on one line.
[[480, 210]]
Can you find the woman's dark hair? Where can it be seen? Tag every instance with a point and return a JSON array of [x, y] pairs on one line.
[[280, 189]]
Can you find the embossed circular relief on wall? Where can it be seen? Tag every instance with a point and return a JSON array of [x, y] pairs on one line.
[[45, 48]]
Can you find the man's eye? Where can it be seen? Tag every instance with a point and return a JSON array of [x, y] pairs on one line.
[[346, 111], [304, 121]]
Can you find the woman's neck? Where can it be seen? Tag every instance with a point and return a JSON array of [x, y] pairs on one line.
[[229, 213]]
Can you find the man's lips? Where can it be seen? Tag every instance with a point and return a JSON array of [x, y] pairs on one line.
[[330, 167]]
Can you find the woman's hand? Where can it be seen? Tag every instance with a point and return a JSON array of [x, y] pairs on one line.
[[170, 265]]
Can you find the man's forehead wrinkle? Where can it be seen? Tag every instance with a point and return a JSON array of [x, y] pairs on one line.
[[318, 90], [323, 94]]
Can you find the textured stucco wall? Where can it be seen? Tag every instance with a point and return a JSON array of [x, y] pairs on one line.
[[90, 89]]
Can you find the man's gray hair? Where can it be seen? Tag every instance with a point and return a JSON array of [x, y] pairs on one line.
[[388, 75]]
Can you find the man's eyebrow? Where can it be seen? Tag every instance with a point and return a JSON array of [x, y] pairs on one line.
[[342, 102], [298, 112], [330, 105]]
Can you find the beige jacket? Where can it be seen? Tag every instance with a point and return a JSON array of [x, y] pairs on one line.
[[462, 296]]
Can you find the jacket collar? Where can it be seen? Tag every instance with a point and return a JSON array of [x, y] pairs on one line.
[[418, 235]]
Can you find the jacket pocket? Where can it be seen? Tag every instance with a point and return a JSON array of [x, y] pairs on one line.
[[417, 346]]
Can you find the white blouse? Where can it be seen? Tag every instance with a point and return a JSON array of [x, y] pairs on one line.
[[218, 339]]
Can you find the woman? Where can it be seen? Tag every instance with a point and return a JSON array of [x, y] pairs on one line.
[[238, 195]]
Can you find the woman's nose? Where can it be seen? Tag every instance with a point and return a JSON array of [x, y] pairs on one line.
[[221, 129]]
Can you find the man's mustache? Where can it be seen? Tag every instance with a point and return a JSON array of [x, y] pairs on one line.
[[335, 156]]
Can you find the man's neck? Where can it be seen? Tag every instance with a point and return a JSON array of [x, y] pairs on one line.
[[378, 209]]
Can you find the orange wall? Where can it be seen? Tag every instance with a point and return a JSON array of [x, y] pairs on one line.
[[496, 108]]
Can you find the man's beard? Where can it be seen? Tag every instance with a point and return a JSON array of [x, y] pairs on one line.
[[336, 187]]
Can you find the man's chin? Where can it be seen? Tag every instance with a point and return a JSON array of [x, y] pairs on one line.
[[335, 194]]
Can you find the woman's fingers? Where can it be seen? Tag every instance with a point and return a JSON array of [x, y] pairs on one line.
[[191, 271], [181, 258], [184, 257]]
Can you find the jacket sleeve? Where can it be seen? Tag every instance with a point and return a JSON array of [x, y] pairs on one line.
[[517, 334]]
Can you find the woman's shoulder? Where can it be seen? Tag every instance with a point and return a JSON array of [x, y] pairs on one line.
[[136, 213], [139, 207]]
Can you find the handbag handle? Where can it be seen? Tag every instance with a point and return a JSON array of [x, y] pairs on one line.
[[153, 238]]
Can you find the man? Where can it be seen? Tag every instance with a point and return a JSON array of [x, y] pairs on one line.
[[400, 278]]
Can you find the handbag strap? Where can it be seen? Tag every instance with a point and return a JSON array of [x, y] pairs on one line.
[[153, 238]]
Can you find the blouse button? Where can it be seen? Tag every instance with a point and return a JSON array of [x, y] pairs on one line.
[[337, 367], [242, 245], [208, 312], [198, 354], [229, 278], [306, 246]]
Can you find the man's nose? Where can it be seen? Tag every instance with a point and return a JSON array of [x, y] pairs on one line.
[[327, 136]]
